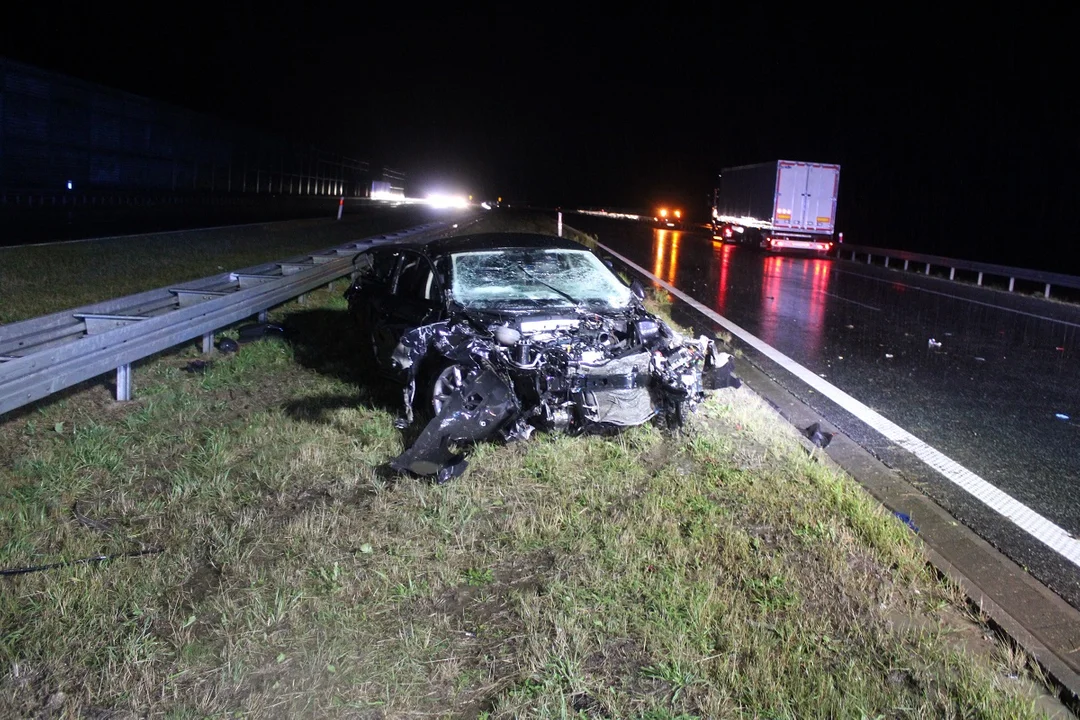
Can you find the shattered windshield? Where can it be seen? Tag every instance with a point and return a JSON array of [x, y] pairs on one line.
[[549, 277]]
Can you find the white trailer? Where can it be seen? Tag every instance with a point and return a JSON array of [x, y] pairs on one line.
[[780, 205]]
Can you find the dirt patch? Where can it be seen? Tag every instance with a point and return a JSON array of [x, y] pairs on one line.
[[205, 581], [656, 458], [623, 658], [527, 573], [587, 706]]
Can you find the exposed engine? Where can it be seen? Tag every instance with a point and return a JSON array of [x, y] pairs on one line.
[[578, 372]]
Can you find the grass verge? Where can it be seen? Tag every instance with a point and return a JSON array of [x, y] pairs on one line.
[[721, 572], [37, 280]]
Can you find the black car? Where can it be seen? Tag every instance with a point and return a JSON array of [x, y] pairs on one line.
[[496, 335]]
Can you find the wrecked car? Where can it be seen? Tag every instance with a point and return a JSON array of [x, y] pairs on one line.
[[498, 335]]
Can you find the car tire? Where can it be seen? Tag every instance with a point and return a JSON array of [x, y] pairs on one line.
[[677, 413]]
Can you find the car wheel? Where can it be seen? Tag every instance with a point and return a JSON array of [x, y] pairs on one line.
[[449, 379], [679, 414]]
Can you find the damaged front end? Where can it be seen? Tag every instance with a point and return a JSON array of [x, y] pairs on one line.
[[474, 377]]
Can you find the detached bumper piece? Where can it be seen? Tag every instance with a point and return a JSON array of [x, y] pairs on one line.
[[483, 406]]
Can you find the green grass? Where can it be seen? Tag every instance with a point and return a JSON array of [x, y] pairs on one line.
[[40, 280], [720, 572]]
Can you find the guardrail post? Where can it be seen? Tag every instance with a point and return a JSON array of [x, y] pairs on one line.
[[905, 264], [1046, 293], [886, 261], [1012, 283], [952, 273], [980, 277], [869, 257], [853, 256], [927, 268], [207, 342], [262, 316], [123, 383]]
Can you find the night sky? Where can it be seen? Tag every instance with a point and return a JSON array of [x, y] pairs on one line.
[[958, 134]]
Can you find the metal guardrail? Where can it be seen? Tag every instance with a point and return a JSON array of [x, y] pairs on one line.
[[47, 354], [1048, 279]]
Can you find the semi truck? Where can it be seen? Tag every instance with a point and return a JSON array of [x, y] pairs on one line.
[[777, 206]]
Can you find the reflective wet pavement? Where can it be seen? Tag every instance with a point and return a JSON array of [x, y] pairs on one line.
[[989, 396]]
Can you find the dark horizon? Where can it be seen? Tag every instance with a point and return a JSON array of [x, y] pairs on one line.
[[951, 141]]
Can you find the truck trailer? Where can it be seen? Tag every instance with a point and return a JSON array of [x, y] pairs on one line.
[[779, 205]]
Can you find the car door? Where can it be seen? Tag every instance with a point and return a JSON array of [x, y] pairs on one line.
[[370, 293], [415, 300]]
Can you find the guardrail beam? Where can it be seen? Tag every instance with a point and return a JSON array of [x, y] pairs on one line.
[[63, 349], [96, 324], [35, 339], [924, 261], [246, 280], [293, 268], [185, 298]]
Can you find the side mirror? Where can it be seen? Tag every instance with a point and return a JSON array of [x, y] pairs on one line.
[[610, 265], [638, 289]]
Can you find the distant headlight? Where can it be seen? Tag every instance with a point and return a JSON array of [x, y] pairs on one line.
[[439, 200]]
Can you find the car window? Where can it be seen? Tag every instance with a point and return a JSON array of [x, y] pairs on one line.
[[415, 279], [541, 276], [376, 265]]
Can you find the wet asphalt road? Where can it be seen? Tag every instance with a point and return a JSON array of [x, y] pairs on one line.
[[988, 397]]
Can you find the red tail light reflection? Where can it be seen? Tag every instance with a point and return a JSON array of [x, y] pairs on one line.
[[793, 302]]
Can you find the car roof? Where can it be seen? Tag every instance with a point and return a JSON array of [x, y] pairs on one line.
[[489, 241]]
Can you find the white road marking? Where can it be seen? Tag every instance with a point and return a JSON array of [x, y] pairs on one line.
[[1053, 536]]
